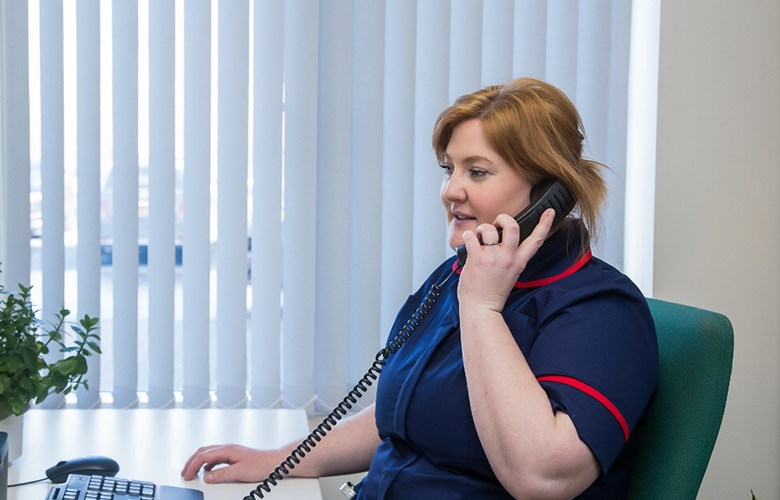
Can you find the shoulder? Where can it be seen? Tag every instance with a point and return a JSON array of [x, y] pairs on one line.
[[598, 311], [596, 281]]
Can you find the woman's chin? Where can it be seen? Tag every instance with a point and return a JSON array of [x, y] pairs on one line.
[[455, 232], [455, 242]]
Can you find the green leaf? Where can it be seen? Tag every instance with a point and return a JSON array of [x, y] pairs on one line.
[[95, 347], [14, 363], [81, 365], [30, 359], [89, 322], [67, 366]]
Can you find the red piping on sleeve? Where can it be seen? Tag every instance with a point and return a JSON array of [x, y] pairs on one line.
[[590, 391]]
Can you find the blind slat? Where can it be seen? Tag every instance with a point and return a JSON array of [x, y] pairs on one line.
[[267, 203], [365, 215], [592, 81], [301, 33], [594, 84], [530, 31], [88, 180], [162, 186], [52, 171], [610, 245], [562, 32], [397, 159], [465, 51], [497, 34], [333, 203], [641, 143], [125, 201], [196, 259], [431, 90], [15, 253], [233, 102]]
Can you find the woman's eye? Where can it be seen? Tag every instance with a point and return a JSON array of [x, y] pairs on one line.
[[447, 169], [477, 172]]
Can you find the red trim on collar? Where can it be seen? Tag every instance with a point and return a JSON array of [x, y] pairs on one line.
[[544, 281], [571, 270], [590, 391]]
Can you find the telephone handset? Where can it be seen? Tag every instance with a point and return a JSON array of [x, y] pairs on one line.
[[548, 193]]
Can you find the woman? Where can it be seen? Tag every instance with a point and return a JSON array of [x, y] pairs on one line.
[[529, 373]]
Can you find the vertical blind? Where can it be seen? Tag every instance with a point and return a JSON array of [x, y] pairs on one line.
[[310, 203], [52, 157]]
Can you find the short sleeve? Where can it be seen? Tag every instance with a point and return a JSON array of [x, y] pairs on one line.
[[597, 359]]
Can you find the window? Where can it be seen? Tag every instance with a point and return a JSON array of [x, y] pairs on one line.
[[197, 124]]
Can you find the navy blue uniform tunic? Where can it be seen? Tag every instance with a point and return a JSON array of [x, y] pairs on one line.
[[587, 334]]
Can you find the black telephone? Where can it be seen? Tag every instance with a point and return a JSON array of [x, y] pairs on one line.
[[547, 193]]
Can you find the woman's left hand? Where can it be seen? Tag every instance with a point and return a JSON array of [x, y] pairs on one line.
[[492, 268]]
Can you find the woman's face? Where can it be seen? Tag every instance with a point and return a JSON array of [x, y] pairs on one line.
[[478, 184]]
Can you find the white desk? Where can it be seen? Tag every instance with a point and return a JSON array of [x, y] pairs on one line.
[[153, 445]]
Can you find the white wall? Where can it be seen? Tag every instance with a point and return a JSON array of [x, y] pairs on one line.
[[717, 226]]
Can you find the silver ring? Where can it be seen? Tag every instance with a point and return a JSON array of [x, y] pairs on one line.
[[490, 244]]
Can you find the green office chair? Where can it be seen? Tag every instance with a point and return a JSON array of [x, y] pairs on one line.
[[674, 440]]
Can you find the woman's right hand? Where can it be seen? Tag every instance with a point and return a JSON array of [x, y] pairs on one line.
[[348, 448], [242, 463]]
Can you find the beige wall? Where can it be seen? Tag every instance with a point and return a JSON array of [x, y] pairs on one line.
[[717, 226]]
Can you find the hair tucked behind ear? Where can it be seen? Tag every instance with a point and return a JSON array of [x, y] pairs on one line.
[[537, 130]]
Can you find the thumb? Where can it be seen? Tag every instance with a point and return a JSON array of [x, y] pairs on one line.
[[218, 475]]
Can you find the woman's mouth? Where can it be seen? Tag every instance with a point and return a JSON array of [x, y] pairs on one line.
[[462, 220]]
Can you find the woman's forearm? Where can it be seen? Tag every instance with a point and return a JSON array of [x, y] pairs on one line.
[[534, 452], [347, 448]]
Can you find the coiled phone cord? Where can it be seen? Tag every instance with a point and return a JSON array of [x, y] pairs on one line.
[[351, 398]]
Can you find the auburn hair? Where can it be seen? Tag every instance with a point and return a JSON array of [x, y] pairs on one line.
[[535, 128]]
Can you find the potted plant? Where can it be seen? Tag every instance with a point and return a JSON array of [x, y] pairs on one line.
[[25, 376]]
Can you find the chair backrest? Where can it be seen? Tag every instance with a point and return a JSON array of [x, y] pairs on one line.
[[674, 440]]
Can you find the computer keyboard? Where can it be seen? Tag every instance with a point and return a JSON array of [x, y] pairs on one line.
[[79, 487]]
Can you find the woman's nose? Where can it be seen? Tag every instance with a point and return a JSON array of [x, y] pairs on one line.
[[453, 189]]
